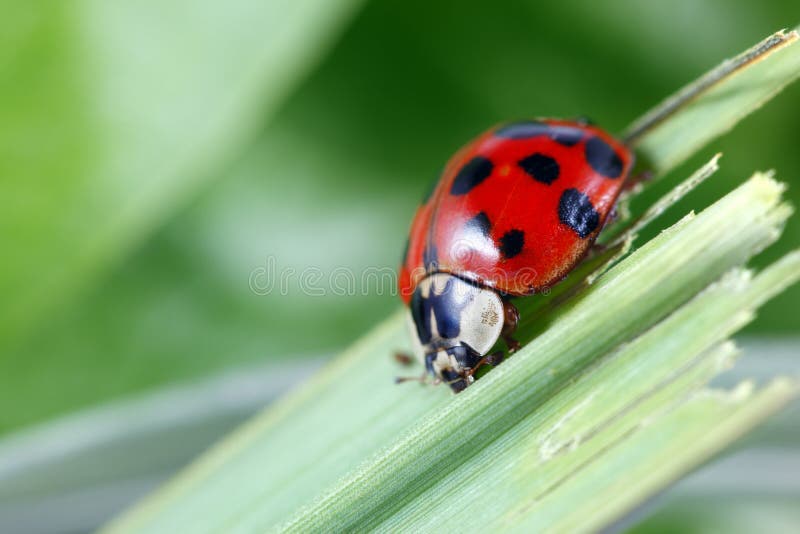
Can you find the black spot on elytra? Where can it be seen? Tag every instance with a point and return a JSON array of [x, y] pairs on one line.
[[479, 224], [541, 168], [523, 130], [471, 174], [511, 243], [602, 158], [565, 135], [430, 258], [576, 211]]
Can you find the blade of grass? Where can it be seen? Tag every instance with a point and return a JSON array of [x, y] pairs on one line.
[[124, 449], [28, 496], [529, 463], [627, 300], [657, 455], [669, 133], [624, 228], [659, 276], [550, 450], [397, 444]]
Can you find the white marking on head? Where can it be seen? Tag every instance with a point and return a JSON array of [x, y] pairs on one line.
[[478, 313]]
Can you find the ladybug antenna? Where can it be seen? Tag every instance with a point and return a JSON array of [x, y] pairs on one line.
[[422, 379]]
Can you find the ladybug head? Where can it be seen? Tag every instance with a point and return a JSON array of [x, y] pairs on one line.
[[455, 323]]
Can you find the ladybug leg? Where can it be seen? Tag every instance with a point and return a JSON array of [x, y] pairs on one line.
[[510, 322], [494, 358], [637, 179], [403, 358], [490, 359], [612, 217], [596, 249]]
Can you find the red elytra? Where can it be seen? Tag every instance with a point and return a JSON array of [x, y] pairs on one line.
[[517, 208]]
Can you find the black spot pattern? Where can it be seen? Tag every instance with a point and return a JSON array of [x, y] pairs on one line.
[[511, 243], [473, 173], [602, 158], [541, 168], [576, 211], [480, 224], [523, 130], [565, 135]]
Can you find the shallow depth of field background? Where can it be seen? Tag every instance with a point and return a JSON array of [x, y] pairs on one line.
[[150, 174]]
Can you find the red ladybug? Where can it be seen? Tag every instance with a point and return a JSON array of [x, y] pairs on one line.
[[514, 211]]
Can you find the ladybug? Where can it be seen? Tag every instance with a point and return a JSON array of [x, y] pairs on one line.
[[514, 212]]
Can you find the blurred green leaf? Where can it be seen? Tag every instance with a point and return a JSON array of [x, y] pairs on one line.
[[733, 514], [114, 115], [86, 467], [116, 112]]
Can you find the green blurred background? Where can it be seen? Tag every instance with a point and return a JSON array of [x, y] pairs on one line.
[[154, 154]]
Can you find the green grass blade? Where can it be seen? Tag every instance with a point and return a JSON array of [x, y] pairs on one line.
[[669, 134], [614, 234], [657, 455], [529, 470], [441, 431], [347, 452], [627, 300]]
